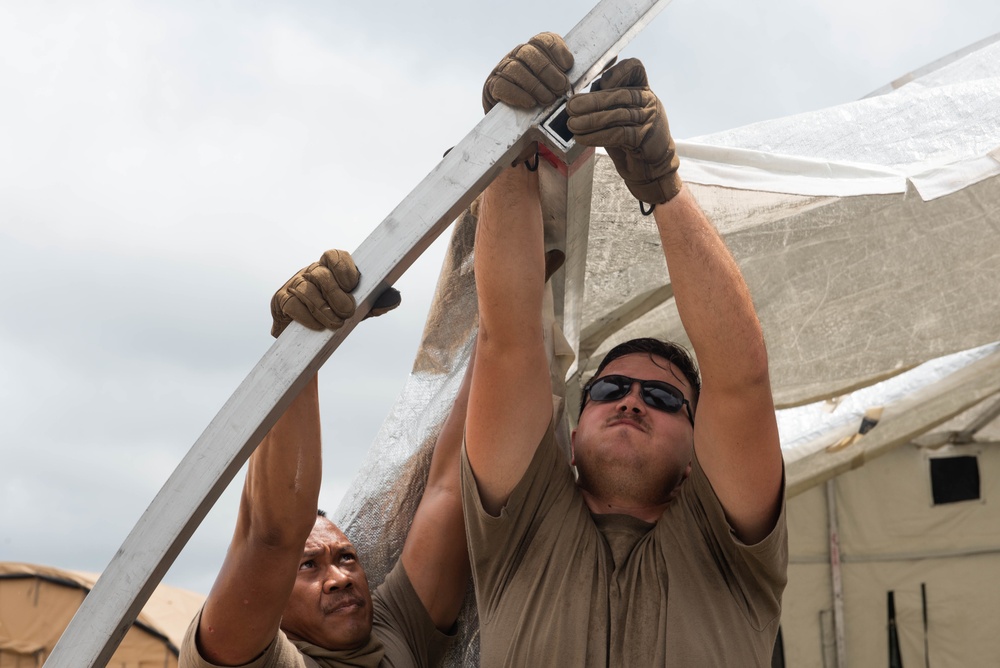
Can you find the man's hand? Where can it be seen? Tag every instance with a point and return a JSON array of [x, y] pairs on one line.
[[623, 115], [532, 75], [318, 296]]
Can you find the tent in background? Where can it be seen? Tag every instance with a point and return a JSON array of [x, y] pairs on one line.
[[917, 526], [37, 602], [869, 234]]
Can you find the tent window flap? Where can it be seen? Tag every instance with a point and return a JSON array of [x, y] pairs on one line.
[[954, 479]]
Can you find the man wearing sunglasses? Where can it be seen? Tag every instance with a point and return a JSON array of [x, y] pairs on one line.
[[670, 547], [292, 592]]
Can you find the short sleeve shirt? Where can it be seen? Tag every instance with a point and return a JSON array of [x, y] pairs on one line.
[[556, 585], [403, 636]]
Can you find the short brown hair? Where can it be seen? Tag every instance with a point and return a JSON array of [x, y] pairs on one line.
[[674, 353]]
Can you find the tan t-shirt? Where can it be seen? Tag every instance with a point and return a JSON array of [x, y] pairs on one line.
[[403, 636], [558, 586]]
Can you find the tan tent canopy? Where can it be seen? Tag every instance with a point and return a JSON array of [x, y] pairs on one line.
[[37, 603]]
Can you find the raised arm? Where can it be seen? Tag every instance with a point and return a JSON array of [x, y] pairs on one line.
[[278, 505], [510, 401], [736, 436], [277, 511], [435, 555]]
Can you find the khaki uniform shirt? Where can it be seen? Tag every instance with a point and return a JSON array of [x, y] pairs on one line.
[[403, 636], [558, 586]]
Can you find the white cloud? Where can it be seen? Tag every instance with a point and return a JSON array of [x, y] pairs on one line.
[[876, 31]]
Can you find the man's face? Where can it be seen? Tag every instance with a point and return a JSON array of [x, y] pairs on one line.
[[627, 449], [330, 605]]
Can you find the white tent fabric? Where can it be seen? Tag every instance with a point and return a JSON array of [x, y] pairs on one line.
[[869, 234], [867, 231], [869, 146], [806, 430]]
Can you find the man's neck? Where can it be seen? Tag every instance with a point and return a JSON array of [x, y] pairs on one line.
[[645, 512]]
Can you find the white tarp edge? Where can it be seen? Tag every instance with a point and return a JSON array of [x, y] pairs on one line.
[[757, 170], [947, 179], [747, 169]]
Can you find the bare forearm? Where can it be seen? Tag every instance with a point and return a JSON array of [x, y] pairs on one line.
[[712, 298], [510, 398], [445, 462], [435, 555], [281, 492], [736, 436], [277, 512], [509, 258]]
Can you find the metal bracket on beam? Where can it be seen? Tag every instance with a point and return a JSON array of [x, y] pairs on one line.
[[555, 133]]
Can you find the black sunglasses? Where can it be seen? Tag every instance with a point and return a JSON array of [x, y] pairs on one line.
[[655, 393]]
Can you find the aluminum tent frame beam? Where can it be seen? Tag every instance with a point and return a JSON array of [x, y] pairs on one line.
[[214, 459]]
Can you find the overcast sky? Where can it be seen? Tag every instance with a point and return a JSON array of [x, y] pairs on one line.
[[165, 166]]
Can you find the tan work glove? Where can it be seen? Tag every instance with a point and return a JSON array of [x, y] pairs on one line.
[[532, 75], [319, 296], [623, 115]]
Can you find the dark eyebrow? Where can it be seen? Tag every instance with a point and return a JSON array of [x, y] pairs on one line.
[[309, 553]]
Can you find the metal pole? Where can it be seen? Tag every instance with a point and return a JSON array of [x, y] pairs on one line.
[[895, 655], [923, 608], [165, 527], [837, 585]]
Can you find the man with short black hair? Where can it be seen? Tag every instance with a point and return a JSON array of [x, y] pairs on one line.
[[292, 592], [670, 549]]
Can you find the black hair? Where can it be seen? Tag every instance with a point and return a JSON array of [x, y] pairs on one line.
[[674, 353], [320, 512]]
